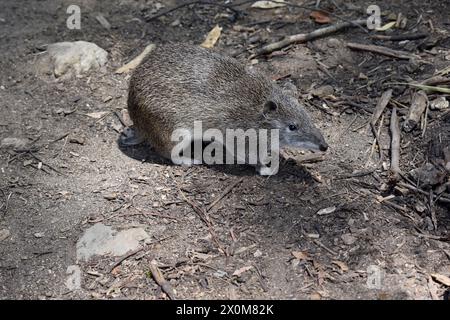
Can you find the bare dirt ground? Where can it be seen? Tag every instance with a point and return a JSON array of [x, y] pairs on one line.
[[266, 238]]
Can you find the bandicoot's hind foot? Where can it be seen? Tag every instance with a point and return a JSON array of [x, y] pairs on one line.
[[130, 137]]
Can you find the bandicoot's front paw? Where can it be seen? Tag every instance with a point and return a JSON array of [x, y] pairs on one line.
[[130, 137]]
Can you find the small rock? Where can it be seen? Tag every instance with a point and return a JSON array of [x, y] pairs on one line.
[[439, 104], [4, 234], [78, 56], [73, 281], [107, 98], [333, 43], [324, 211], [257, 253], [102, 240], [219, 274], [2, 87], [348, 238], [111, 195], [158, 6], [362, 76], [39, 234], [176, 23], [313, 235], [322, 91], [420, 207], [77, 140], [13, 143]]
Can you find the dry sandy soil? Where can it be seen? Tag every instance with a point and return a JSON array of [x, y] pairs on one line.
[[267, 238]]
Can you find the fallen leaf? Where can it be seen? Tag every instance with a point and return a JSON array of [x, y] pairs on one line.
[[299, 255], [328, 210], [240, 271], [136, 61], [97, 115], [320, 17], [387, 26], [441, 279], [341, 265], [268, 4], [212, 37]]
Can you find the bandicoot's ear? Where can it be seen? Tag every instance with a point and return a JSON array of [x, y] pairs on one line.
[[270, 107]]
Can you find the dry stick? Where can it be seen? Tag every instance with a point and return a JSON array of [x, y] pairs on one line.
[[382, 50], [159, 279], [379, 109], [191, 3], [435, 80], [432, 211], [401, 37], [152, 214], [425, 120], [304, 37], [413, 188], [381, 105], [224, 193], [395, 146], [203, 215], [375, 140], [44, 163], [419, 102], [320, 244], [134, 252]]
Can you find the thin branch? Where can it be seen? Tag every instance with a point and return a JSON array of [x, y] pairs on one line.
[[304, 37]]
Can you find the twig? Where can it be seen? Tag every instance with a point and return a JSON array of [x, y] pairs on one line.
[[304, 37], [421, 233], [435, 80], [382, 50], [412, 36], [432, 211], [6, 201], [419, 102], [395, 146], [413, 188], [209, 3], [134, 252], [154, 214], [203, 215], [425, 119], [125, 257], [60, 137], [320, 244], [376, 140], [44, 163], [159, 279], [381, 105], [224, 193]]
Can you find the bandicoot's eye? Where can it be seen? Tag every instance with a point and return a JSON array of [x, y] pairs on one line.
[[293, 127]]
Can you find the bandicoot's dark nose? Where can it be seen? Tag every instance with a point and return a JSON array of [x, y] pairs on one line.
[[323, 146]]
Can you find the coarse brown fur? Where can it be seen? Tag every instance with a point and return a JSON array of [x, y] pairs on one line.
[[178, 84]]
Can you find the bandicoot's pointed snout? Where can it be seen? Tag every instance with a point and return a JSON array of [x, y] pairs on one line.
[[323, 146]]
